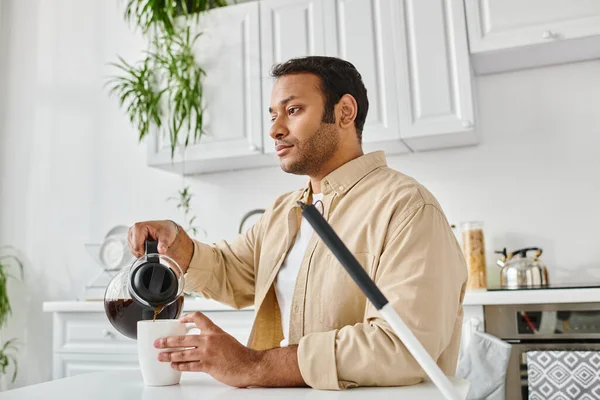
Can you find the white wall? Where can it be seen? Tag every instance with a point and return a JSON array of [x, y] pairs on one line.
[[71, 168]]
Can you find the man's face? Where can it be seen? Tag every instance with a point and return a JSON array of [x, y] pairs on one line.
[[303, 142]]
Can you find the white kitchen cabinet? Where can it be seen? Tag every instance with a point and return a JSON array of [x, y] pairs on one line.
[[424, 102], [66, 365], [84, 341], [88, 332], [435, 101], [229, 51], [289, 29], [501, 24], [361, 31], [413, 57], [512, 34]]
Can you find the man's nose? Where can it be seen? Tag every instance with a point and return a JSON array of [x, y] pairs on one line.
[[278, 130]]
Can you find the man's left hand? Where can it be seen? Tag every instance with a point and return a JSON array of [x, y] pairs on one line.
[[213, 351]]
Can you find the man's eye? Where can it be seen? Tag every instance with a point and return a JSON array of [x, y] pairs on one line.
[[272, 119], [293, 110]]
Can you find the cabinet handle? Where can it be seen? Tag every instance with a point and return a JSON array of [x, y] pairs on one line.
[[467, 124], [548, 35], [106, 333]]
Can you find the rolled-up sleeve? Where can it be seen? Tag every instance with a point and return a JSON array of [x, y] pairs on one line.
[[422, 273]]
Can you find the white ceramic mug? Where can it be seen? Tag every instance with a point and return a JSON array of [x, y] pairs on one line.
[[154, 372]]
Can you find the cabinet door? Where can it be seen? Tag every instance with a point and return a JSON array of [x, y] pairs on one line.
[[362, 32], [66, 365], [89, 332], [435, 94], [81, 344], [289, 28], [503, 24], [229, 51]]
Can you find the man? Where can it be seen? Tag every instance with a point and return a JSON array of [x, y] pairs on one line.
[[313, 325]]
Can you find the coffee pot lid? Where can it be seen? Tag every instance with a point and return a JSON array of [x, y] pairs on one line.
[[152, 282]]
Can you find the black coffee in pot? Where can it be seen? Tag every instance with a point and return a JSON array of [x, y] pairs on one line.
[[124, 314]]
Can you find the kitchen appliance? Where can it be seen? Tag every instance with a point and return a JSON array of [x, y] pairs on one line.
[[534, 327], [522, 271], [110, 256], [151, 288], [114, 250]]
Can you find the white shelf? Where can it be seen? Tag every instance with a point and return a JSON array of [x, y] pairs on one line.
[[190, 304], [536, 296]]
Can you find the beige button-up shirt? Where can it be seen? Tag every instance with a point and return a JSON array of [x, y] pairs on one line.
[[397, 231]]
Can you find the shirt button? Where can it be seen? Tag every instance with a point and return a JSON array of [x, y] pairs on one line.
[[341, 188], [296, 309]]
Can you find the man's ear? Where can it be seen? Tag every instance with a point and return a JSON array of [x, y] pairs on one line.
[[348, 108]]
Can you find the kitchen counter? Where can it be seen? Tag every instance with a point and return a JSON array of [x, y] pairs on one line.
[[128, 385], [535, 296], [190, 304], [472, 298]]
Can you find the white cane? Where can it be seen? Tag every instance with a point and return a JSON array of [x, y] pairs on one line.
[[366, 284]]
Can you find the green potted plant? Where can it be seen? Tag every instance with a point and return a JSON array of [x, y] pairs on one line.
[[148, 13], [163, 91], [8, 348]]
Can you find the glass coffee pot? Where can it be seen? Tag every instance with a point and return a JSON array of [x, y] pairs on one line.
[[151, 288]]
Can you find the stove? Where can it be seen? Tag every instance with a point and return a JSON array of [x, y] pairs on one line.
[[570, 285], [570, 327]]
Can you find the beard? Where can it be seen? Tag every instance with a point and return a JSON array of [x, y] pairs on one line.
[[314, 152]]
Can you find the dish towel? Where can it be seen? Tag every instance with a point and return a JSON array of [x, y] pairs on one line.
[[484, 363], [563, 375]]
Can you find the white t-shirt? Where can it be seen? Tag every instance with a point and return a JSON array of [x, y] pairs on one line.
[[286, 277]]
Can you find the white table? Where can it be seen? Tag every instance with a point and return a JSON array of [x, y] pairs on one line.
[[128, 385]]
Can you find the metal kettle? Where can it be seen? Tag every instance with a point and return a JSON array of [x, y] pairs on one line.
[[520, 271]]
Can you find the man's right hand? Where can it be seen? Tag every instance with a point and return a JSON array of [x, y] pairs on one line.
[[172, 240]]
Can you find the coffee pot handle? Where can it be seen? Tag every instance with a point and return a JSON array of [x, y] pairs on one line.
[[151, 247]]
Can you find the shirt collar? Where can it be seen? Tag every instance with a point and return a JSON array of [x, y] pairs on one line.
[[345, 177]]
